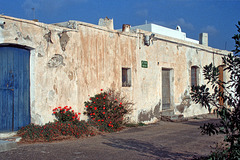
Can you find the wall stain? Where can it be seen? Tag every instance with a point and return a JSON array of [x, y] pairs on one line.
[[48, 38], [186, 103], [55, 89], [145, 116], [56, 61], [70, 75], [27, 38], [148, 116], [51, 95], [40, 55], [64, 38], [156, 110]]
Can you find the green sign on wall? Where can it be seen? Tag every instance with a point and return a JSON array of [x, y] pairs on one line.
[[144, 64]]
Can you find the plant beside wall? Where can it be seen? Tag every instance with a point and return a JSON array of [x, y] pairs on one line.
[[106, 110], [226, 99], [67, 123], [66, 114]]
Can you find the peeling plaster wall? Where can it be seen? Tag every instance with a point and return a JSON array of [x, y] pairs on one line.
[[178, 56], [67, 65]]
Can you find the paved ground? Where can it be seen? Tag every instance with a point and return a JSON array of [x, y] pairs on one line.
[[164, 140]]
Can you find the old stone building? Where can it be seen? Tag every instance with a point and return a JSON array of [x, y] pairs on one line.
[[43, 66]]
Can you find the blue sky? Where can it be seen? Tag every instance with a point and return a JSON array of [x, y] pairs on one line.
[[216, 17]]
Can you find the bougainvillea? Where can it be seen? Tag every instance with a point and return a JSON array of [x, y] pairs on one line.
[[106, 111]]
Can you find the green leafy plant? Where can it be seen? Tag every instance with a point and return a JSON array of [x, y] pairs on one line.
[[106, 110], [66, 114], [34, 132], [54, 130], [67, 123], [225, 97], [77, 130]]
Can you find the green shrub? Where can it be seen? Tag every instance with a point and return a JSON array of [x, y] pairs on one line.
[[66, 114], [34, 132], [106, 110], [67, 123], [223, 95], [77, 130], [53, 130]]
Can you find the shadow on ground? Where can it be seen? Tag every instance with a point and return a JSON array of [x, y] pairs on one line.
[[201, 123], [146, 149]]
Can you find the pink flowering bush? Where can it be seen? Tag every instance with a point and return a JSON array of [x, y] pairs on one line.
[[106, 110]]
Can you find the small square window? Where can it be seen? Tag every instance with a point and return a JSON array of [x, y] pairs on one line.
[[126, 77]]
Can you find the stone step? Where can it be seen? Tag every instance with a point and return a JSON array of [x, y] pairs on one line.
[[8, 141], [168, 115], [174, 118], [168, 112], [7, 145], [7, 134], [11, 139]]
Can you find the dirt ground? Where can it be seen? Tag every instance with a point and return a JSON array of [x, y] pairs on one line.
[[162, 140]]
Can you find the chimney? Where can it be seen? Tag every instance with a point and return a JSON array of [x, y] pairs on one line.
[[126, 28], [108, 23], [203, 39]]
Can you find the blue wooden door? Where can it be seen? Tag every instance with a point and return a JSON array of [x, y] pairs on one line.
[[14, 88]]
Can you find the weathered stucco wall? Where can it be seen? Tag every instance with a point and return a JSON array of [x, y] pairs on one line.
[[67, 65], [178, 56]]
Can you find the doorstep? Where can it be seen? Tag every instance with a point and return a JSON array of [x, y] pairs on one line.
[[8, 141], [7, 145]]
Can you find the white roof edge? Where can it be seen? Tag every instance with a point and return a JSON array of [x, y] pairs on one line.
[[154, 28]]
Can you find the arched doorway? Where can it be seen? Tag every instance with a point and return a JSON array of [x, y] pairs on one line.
[[14, 88]]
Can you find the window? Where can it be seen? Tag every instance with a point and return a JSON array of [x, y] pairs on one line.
[[126, 77], [194, 76]]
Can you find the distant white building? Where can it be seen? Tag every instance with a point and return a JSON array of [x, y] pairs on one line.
[[165, 31]]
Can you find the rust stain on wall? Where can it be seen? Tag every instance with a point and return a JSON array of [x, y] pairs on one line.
[[70, 75]]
